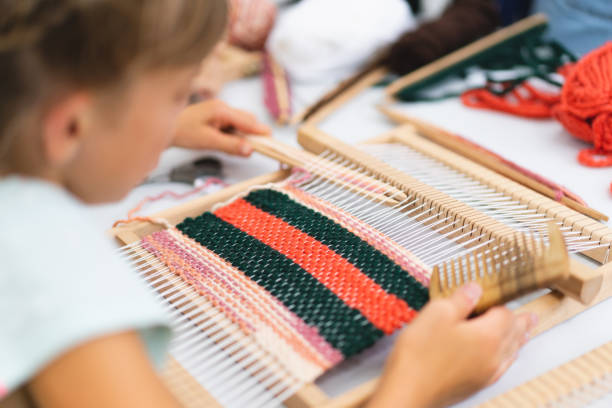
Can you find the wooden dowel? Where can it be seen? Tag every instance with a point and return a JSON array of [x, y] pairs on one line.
[[583, 284]]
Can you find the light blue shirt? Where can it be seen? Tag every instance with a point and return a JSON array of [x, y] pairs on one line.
[[580, 25], [61, 283]]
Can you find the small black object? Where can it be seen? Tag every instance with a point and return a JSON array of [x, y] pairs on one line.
[[202, 167]]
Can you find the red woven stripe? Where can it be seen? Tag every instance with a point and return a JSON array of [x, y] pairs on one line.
[[386, 311]]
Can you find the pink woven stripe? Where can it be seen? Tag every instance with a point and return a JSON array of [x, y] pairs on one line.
[[226, 285], [160, 244]]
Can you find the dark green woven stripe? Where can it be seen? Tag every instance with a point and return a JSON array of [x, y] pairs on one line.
[[390, 276], [345, 328]]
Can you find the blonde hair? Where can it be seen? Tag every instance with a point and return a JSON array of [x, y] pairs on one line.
[[94, 44]]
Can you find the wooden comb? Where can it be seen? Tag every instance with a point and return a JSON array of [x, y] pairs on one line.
[[507, 271]]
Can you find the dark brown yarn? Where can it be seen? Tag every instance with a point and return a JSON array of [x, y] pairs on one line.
[[463, 22]]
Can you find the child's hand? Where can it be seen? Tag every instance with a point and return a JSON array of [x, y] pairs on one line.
[[204, 126], [442, 358]]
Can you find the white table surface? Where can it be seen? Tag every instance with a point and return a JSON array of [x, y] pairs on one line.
[[540, 145]]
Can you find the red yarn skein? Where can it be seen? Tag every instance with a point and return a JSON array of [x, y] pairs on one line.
[[585, 107]]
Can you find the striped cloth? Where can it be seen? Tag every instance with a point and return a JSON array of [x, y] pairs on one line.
[[312, 290]]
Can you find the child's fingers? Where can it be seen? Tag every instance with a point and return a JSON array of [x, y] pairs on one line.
[[505, 333], [503, 367], [465, 298], [498, 319], [231, 144], [240, 120], [494, 328], [519, 333], [525, 323]]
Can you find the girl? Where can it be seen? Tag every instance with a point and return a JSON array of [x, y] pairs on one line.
[[90, 96]]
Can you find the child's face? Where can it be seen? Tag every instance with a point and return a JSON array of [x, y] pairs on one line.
[[124, 142]]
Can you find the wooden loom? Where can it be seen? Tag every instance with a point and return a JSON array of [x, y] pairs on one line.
[[370, 162], [429, 73]]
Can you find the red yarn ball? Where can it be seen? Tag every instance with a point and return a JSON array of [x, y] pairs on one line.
[[585, 108]]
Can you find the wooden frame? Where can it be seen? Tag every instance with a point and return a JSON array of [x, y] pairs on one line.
[[553, 308], [577, 376]]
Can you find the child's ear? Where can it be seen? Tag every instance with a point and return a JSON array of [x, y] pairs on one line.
[[64, 128]]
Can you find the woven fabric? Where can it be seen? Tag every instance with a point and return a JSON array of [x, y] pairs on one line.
[[406, 260], [273, 264]]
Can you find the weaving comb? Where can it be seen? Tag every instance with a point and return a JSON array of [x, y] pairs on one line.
[[505, 273]]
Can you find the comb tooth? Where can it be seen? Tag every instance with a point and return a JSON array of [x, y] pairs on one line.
[[503, 254], [517, 248], [520, 273], [485, 263], [435, 283], [518, 256], [529, 257], [504, 268], [476, 266], [464, 269], [507, 282], [537, 253], [461, 271], [532, 245], [496, 258], [541, 245], [475, 272], [453, 282], [444, 278]]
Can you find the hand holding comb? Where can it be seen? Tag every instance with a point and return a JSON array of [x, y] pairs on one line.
[[507, 271]]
